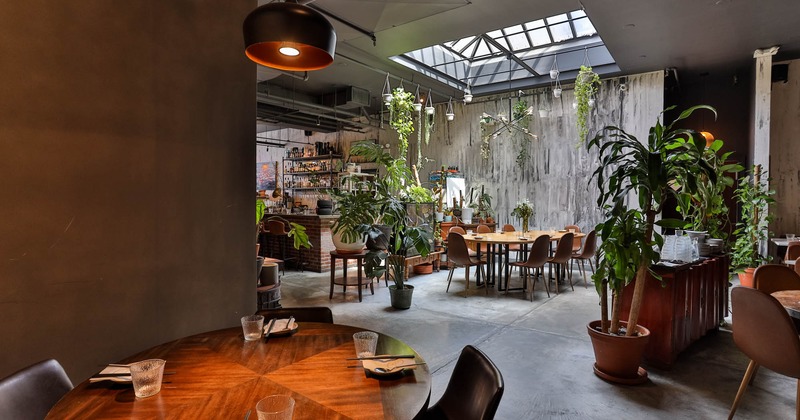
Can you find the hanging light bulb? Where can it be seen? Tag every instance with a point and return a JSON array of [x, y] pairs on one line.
[[429, 109], [708, 136], [417, 101], [387, 91], [450, 114]]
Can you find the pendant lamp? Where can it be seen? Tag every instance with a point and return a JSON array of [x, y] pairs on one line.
[[289, 36]]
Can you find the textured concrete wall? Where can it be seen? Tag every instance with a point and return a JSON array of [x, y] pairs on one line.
[[126, 150], [784, 153]]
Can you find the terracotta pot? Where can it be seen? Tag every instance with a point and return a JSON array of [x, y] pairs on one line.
[[746, 277], [617, 358], [426, 268]]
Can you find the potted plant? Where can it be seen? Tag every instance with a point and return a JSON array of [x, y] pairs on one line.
[[523, 211], [586, 85], [753, 227], [296, 231], [356, 208], [629, 242]]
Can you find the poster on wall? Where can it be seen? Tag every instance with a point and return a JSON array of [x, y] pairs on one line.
[[265, 176]]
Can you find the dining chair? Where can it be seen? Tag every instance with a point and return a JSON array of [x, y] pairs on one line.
[[458, 255], [321, 314], [483, 229], [561, 257], [771, 278], [576, 243], [31, 392], [513, 247], [797, 265], [792, 251], [751, 310], [586, 253], [461, 231], [474, 390], [537, 258]]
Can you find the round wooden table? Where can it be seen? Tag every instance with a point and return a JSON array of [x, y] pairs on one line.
[[219, 375], [790, 299]]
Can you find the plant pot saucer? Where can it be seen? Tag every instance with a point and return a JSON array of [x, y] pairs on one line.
[[641, 377]]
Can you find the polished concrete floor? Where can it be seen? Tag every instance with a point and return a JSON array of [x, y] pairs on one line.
[[544, 352]]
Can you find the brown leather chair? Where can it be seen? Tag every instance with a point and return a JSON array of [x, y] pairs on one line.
[[31, 392], [586, 253], [576, 242], [483, 229], [513, 247], [537, 258], [770, 278], [474, 390], [458, 256], [457, 229], [561, 257], [792, 251], [752, 310], [301, 314], [797, 265]]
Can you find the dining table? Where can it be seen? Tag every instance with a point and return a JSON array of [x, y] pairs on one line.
[[218, 374], [790, 299], [489, 243]]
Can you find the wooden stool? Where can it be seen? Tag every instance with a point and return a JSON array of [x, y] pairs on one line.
[[359, 257]]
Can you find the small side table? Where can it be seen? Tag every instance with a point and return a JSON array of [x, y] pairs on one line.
[[343, 281]]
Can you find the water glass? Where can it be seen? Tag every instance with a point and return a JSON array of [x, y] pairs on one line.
[[365, 342], [146, 377], [252, 327], [275, 407], [790, 237]]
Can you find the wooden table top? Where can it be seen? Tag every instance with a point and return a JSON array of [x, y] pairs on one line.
[[219, 375], [514, 237], [790, 299]]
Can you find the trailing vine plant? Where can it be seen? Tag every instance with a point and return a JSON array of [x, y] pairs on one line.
[[401, 112], [522, 140], [586, 85], [487, 128]]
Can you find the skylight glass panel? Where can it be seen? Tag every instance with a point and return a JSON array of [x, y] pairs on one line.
[[540, 37], [561, 32], [519, 42], [482, 49], [513, 29], [556, 19], [535, 24], [502, 41], [576, 14], [463, 42], [584, 27], [495, 34]]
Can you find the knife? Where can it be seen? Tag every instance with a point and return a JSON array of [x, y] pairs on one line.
[[385, 356], [269, 329], [289, 324]]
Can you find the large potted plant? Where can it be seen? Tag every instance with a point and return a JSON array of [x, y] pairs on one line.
[[753, 228], [629, 242], [356, 208]]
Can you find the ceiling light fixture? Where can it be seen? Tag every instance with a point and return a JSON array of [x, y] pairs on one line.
[[289, 36], [450, 114]]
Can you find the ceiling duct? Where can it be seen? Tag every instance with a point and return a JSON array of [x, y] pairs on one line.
[[349, 97]]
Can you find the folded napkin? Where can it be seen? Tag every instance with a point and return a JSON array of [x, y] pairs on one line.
[[281, 325], [114, 374], [393, 365]]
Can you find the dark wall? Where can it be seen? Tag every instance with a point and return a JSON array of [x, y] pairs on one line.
[[126, 180]]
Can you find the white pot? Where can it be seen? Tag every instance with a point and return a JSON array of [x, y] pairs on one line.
[[466, 214], [554, 74], [439, 216], [557, 92], [347, 247]]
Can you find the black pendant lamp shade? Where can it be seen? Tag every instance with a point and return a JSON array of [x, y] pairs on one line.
[[289, 36]]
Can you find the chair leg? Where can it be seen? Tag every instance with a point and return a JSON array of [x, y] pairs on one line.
[[485, 279], [568, 273], [591, 265], [583, 272], [540, 271], [753, 378], [450, 276], [743, 386]]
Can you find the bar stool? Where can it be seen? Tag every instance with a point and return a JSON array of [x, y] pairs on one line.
[[359, 257], [278, 231]]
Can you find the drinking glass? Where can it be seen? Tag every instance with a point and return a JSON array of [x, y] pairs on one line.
[[275, 407], [252, 327], [365, 342], [146, 377], [790, 237]]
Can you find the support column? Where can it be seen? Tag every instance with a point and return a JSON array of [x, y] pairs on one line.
[[761, 109]]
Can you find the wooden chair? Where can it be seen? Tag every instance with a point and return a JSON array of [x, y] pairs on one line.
[[586, 253], [797, 266], [576, 243], [561, 257], [474, 390], [752, 311], [513, 247], [458, 255], [484, 229], [537, 258], [301, 314], [792, 251], [31, 392], [771, 278]]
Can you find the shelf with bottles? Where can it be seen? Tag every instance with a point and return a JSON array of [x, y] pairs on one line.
[[313, 180]]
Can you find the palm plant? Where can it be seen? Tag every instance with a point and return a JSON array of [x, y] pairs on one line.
[[649, 170]]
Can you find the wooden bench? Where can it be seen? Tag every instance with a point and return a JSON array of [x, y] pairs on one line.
[[434, 257]]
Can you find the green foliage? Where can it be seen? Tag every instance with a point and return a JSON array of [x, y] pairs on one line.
[[522, 139], [649, 170], [705, 209], [401, 113], [357, 210], [487, 128], [586, 85], [753, 226], [261, 208]]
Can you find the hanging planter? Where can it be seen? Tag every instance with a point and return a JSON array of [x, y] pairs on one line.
[[586, 85], [450, 114]]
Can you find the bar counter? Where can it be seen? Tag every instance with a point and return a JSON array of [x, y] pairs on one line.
[[318, 229]]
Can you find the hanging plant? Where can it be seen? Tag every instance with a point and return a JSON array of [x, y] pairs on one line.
[[586, 85], [487, 128], [522, 139], [401, 112], [429, 126]]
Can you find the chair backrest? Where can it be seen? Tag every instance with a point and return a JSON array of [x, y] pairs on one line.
[[564, 249], [458, 229], [760, 326], [589, 245], [474, 390], [31, 392], [484, 229], [509, 228], [576, 243], [300, 314], [457, 251], [770, 278], [792, 251], [540, 251], [797, 265], [276, 227]]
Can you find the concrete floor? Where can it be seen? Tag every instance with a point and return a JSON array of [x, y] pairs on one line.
[[544, 353]]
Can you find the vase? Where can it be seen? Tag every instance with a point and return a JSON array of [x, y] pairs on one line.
[[524, 226]]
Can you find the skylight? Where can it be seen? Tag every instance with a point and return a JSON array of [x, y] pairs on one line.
[[517, 56]]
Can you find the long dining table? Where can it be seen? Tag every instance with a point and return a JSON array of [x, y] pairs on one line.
[[219, 375], [503, 240]]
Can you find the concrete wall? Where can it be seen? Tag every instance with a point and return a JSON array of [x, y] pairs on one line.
[[784, 153], [126, 151]]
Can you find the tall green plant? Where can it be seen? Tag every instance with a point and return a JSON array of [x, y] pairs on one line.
[[649, 170], [753, 227], [586, 85], [401, 114]]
